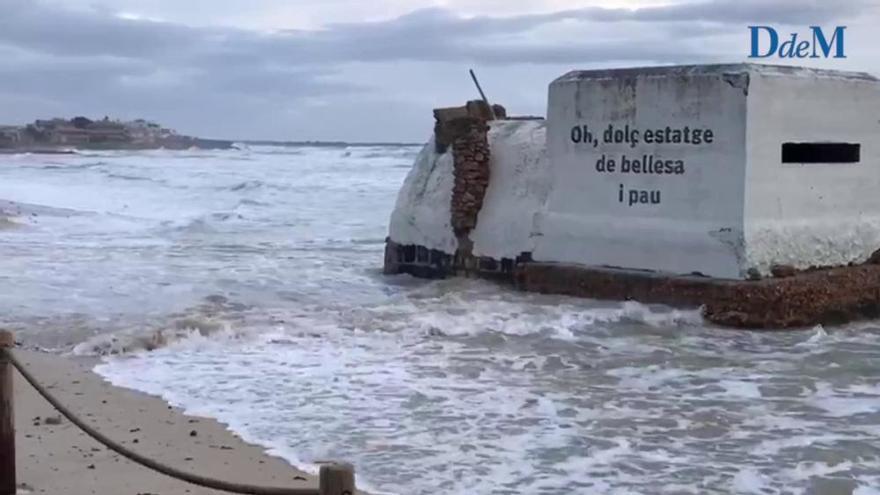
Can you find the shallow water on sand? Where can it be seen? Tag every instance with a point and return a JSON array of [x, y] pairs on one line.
[[254, 277]]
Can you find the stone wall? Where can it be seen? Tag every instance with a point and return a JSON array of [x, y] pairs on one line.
[[465, 130], [470, 151]]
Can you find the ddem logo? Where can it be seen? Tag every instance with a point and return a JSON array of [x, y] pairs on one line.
[[818, 46]]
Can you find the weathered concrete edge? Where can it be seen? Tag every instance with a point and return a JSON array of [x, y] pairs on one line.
[[830, 296], [712, 70], [827, 296]]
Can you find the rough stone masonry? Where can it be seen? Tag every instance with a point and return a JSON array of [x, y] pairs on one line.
[[471, 169], [466, 130]]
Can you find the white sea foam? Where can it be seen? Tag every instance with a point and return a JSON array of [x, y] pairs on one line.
[[750, 481], [245, 285]]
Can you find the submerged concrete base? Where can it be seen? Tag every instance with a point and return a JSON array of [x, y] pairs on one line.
[[827, 296], [823, 296]]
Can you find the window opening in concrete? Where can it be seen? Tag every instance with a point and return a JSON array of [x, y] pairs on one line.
[[821, 153]]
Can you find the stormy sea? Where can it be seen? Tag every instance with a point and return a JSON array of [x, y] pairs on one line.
[[246, 285]]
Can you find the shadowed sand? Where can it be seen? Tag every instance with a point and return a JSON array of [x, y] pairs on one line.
[[57, 458]]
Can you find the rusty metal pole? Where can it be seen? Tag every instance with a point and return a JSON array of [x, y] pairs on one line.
[[483, 95], [7, 417]]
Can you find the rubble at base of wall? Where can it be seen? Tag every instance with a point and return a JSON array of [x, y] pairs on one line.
[[829, 296]]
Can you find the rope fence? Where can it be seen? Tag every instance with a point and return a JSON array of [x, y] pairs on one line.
[[334, 479]]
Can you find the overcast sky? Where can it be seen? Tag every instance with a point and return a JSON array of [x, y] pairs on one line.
[[361, 70]]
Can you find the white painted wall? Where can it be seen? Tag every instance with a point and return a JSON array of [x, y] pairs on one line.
[[518, 187], [811, 214], [422, 213], [697, 226]]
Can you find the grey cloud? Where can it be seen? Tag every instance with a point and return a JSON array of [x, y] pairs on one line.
[[54, 30], [93, 59], [425, 34], [441, 22], [733, 12]]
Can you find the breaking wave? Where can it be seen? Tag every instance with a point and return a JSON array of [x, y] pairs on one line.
[[536, 396], [216, 316], [246, 285], [7, 224], [441, 309], [19, 209]]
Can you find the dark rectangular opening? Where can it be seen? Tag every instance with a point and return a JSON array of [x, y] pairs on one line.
[[506, 265], [422, 254], [821, 153], [488, 264], [409, 254]]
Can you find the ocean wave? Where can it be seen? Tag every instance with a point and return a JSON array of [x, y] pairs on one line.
[[12, 209], [442, 310], [368, 242], [278, 151], [215, 317], [253, 185], [463, 386], [248, 185], [7, 224], [208, 223], [74, 166], [129, 177], [478, 309], [634, 410], [149, 339], [251, 202]]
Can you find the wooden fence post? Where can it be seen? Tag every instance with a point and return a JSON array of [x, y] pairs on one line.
[[336, 479], [7, 418]]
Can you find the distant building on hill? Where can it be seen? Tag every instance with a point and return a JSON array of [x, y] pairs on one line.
[[10, 136], [82, 132]]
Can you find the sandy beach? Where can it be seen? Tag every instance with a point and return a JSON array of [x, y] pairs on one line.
[[54, 457]]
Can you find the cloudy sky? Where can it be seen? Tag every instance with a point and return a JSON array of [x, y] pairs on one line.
[[361, 70]]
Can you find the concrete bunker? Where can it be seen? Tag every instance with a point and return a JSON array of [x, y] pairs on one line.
[[750, 190]]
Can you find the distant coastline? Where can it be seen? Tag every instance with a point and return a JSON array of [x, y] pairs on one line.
[[327, 144], [59, 136]]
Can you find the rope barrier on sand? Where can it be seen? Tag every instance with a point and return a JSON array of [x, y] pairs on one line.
[[335, 479]]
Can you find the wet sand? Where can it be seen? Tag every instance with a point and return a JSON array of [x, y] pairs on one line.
[[55, 457]]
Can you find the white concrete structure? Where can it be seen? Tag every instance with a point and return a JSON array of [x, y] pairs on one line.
[[811, 214], [518, 189], [422, 214], [719, 170], [680, 170]]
